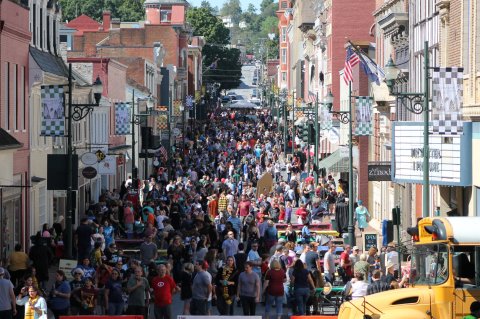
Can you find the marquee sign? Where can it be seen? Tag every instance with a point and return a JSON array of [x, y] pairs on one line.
[[450, 157]]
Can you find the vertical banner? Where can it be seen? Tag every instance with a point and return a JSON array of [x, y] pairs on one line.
[[122, 119], [363, 112], [325, 118], [53, 111], [447, 97]]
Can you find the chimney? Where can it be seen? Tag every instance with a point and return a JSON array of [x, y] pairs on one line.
[[116, 23], [106, 20]]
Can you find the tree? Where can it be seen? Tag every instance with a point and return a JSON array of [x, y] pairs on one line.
[[269, 25], [206, 4], [205, 24], [264, 4], [221, 63], [233, 9], [126, 10]]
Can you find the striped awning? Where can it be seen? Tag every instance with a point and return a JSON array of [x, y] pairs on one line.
[[334, 163]]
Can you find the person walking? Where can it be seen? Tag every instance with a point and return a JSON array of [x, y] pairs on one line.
[[59, 301], [273, 288], [163, 289], [7, 297], [17, 264], [361, 215], [300, 280], [248, 290], [225, 283], [329, 264], [201, 290]]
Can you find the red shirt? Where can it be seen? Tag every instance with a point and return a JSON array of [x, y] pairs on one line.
[[301, 212], [346, 260], [275, 279], [244, 208], [163, 289]]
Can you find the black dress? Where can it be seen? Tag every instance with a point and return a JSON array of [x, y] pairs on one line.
[[186, 285]]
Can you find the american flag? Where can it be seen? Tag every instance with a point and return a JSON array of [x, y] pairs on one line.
[[351, 60], [163, 152], [312, 97]]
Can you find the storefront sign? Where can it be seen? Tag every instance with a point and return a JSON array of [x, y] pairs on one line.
[[450, 157], [89, 172], [370, 240], [379, 172], [107, 166]]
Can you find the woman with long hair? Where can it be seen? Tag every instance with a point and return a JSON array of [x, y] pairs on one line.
[[300, 280], [35, 305], [176, 251], [273, 288], [59, 300], [185, 284], [113, 294], [225, 283]]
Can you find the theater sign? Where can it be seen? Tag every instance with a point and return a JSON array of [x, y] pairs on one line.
[[450, 156]]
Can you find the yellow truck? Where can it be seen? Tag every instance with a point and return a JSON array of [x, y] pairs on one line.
[[444, 276]]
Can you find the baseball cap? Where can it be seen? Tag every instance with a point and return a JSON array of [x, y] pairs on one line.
[[355, 248], [389, 265]]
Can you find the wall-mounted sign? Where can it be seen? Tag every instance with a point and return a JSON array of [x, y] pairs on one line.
[[89, 158], [379, 172], [108, 166], [89, 172], [370, 240], [450, 157]]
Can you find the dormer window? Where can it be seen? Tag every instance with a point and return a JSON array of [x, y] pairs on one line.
[[165, 15]]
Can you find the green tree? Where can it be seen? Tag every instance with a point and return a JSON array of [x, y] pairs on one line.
[[269, 25], [204, 23], [206, 4], [233, 9], [265, 4], [126, 10]]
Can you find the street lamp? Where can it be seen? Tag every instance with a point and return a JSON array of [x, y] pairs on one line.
[[416, 102], [182, 110], [76, 112], [283, 102], [137, 120], [346, 118]]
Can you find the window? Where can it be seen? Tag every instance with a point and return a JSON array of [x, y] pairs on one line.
[[34, 27], [48, 33], [284, 34], [42, 205], [165, 15], [41, 29], [284, 4], [7, 96], [15, 96], [22, 105], [467, 33], [284, 56], [284, 77]]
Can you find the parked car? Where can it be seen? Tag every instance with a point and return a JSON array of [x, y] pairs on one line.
[[226, 99]]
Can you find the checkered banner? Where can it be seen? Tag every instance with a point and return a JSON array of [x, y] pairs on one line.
[[325, 117], [363, 110], [161, 122], [447, 101], [53, 111], [122, 119]]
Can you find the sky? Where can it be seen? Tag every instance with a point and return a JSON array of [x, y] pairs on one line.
[[219, 3]]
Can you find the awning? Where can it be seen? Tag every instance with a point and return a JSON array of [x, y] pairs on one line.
[[335, 162]]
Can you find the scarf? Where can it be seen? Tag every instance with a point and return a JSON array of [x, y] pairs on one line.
[[29, 312], [227, 271]]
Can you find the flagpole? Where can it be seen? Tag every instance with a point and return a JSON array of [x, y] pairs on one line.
[[317, 133], [351, 226], [426, 152]]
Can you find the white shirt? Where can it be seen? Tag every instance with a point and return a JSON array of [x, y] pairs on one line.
[[359, 289], [392, 256]]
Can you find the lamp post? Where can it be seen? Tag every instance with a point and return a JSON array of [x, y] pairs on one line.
[[416, 103], [293, 123], [346, 118], [136, 120], [76, 112], [283, 96], [182, 110]]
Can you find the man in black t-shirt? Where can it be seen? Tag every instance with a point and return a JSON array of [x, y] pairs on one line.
[[83, 236]]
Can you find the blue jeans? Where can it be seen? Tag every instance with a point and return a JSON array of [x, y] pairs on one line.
[[301, 296], [270, 300], [115, 308]]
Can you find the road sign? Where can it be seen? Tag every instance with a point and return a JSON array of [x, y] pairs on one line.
[[189, 101]]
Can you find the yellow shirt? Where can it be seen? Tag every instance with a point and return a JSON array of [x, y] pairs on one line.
[[18, 261]]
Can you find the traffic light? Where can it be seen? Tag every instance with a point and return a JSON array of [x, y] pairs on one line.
[[396, 215], [305, 134], [413, 231], [312, 132]]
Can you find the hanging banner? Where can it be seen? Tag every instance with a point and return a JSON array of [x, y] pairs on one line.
[[53, 111], [108, 166], [363, 112], [325, 116], [447, 97], [122, 119]]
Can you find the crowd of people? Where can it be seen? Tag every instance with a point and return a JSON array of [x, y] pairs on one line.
[[205, 231]]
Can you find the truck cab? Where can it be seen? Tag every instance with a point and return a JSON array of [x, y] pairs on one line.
[[444, 275]]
